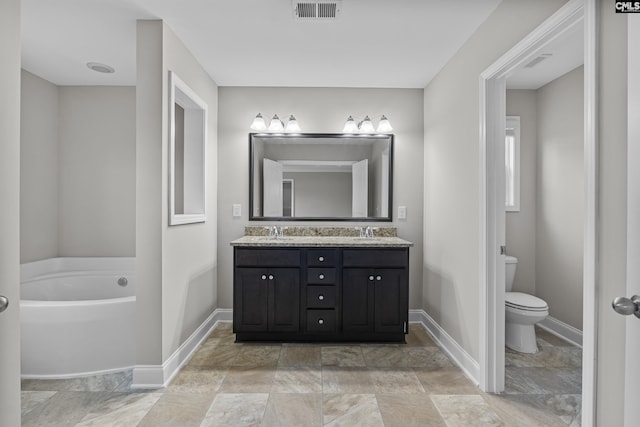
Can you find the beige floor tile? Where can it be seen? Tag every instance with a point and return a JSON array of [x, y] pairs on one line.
[[343, 356], [400, 410], [418, 336], [121, 409], [215, 357], [351, 410], [347, 380], [385, 356], [300, 355], [258, 355], [33, 399], [395, 381], [524, 410], [178, 410], [466, 411], [248, 380], [297, 380], [445, 381], [236, 409], [293, 410], [197, 380], [426, 357]]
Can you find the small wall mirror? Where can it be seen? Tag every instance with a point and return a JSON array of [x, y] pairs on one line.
[[187, 149], [320, 177]]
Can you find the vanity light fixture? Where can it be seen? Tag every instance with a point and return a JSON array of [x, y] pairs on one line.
[[350, 126], [276, 124], [365, 125], [384, 126], [259, 123]]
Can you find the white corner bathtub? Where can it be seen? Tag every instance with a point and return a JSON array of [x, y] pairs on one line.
[[75, 319]]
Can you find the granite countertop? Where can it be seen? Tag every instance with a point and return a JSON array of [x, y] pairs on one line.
[[322, 241]]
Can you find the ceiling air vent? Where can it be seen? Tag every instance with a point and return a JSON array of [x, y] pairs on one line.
[[538, 59], [316, 10]]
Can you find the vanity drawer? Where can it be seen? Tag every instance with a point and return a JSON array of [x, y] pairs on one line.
[[322, 257], [267, 257], [321, 320], [321, 296], [321, 276], [375, 257]]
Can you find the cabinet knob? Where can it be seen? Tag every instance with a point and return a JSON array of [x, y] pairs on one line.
[[378, 278], [371, 278], [321, 277], [271, 277], [321, 297], [264, 277], [321, 258], [321, 321]]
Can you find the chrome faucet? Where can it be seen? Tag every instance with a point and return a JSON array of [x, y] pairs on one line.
[[276, 232], [366, 233]]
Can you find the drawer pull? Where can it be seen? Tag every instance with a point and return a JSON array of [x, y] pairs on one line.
[[264, 277], [271, 277], [321, 277], [371, 278], [378, 278], [320, 321], [321, 258], [321, 297]]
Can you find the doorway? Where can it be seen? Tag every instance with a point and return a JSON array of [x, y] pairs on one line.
[[492, 176]]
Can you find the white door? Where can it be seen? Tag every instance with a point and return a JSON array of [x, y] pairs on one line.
[[360, 189], [632, 365], [10, 212], [272, 188]]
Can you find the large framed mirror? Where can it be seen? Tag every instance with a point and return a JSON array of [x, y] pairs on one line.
[[320, 177]]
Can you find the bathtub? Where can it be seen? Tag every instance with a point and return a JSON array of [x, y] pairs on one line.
[[75, 318]]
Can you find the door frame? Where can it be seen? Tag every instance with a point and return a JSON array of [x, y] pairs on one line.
[[492, 221]]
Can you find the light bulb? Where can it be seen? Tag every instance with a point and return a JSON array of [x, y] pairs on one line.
[[258, 123], [292, 125], [276, 124], [384, 126], [350, 126]]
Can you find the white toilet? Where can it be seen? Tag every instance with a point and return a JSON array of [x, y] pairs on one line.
[[523, 311]]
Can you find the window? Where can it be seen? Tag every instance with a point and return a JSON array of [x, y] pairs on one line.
[[512, 164]]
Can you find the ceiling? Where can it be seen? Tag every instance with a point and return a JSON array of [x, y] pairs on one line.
[[373, 43]]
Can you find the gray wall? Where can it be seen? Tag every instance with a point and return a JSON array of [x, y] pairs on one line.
[[38, 169], [560, 201], [451, 165], [176, 265], [77, 170], [96, 206], [318, 110], [547, 234]]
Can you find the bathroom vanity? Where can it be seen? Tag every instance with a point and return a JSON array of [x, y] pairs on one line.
[[320, 288]]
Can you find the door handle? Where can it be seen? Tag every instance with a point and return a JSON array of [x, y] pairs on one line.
[[4, 303], [626, 306]]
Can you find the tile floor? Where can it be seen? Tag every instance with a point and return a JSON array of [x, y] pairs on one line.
[[229, 384]]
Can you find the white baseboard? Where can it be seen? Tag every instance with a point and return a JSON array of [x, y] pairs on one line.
[[562, 330], [460, 357], [158, 376]]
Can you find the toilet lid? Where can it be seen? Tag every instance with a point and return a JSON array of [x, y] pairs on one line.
[[524, 301]]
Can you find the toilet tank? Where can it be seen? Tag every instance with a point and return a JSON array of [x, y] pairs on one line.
[[510, 264]]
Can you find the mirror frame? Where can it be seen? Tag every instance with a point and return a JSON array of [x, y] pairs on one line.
[[312, 137], [195, 135]]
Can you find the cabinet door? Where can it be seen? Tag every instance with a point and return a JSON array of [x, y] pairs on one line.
[[391, 300], [357, 300], [284, 299], [251, 290]]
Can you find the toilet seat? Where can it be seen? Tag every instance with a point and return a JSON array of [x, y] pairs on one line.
[[524, 302]]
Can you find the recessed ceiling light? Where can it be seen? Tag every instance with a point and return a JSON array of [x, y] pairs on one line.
[[100, 68]]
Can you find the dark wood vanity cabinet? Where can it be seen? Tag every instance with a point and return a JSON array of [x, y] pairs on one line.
[[266, 291], [321, 294]]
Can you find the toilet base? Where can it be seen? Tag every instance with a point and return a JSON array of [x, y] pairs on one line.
[[521, 338]]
